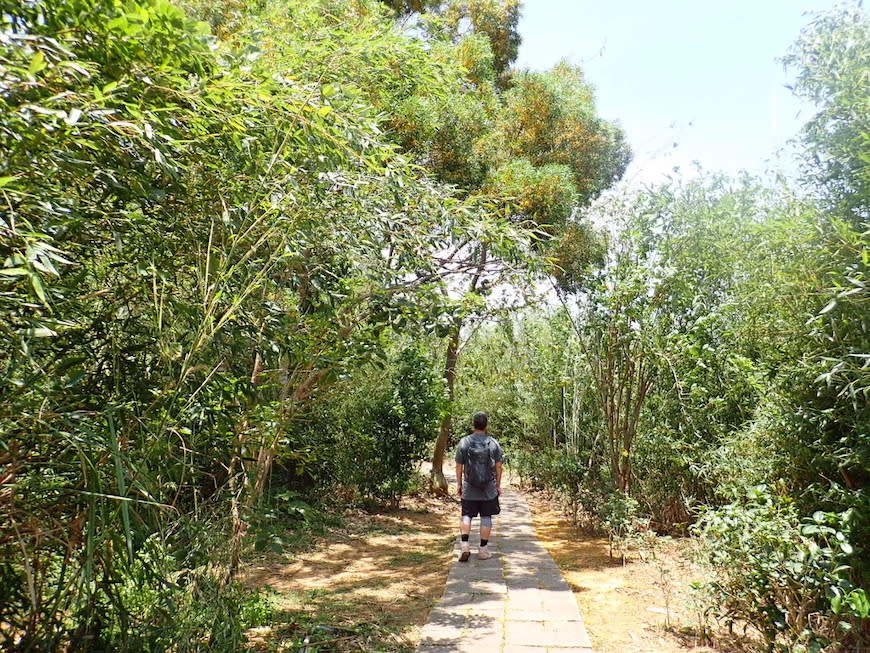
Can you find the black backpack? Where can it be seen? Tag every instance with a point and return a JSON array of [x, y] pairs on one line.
[[479, 467]]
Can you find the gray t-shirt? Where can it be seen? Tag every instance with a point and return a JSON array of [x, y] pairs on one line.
[[469, 491]]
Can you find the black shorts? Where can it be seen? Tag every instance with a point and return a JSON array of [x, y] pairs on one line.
[[482, 507]]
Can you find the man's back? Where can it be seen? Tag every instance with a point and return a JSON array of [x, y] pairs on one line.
[[467, 450]]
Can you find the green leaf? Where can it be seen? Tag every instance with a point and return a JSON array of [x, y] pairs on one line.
[[14, 272], [38, 288], [73, 116], [119, 22], [830, 306], [72, 65], [40, 332], [859, 603], [45, 265], [37, 63]]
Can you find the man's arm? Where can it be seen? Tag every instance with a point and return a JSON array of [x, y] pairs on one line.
[[459, 468], [498, 467]]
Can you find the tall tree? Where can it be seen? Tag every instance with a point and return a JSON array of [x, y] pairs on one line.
[[547, 155]]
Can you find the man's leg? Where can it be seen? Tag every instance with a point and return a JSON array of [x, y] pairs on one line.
[[485, 530], [464, 532]]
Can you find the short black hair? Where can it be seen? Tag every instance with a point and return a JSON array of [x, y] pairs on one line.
[[480, 420]]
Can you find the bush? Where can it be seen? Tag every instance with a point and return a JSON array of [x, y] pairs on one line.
[[788, 578], [400, 422], [369, 436], [626, 529], [579, 488]]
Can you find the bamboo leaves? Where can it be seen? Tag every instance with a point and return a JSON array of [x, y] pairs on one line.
[[196, 242]]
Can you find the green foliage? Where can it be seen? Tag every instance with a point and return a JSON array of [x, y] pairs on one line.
[[550, 118], [789, 578], [836, 415], [210, 243], [286, 522], [495, 19], [580, 490], [523, 372], [727, 261], [576, 254], [194, 247], [370, 435], [831, 60], [404, 421], [542, 197], [626, 529]]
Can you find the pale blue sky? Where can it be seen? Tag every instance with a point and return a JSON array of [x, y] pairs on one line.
[[701, 74]]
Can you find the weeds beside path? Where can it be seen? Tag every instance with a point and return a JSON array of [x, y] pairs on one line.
[[644, 606]]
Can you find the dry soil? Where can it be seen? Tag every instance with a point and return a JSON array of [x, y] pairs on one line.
[[369, 585]]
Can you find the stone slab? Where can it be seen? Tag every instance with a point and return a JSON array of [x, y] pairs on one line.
[[515, 602]]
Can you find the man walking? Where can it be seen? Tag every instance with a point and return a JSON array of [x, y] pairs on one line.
[[478, 478]]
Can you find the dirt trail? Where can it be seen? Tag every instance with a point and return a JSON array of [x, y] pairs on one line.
[[380, 574], [377, 577]]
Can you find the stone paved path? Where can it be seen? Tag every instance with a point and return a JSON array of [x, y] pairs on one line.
[[515, 602]]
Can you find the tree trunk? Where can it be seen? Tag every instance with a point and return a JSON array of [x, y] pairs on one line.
[[240, 526], [439, 483], [624, 480]]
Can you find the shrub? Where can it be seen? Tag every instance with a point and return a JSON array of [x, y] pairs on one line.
[[579, 488], [788, 578], [626, 529]]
